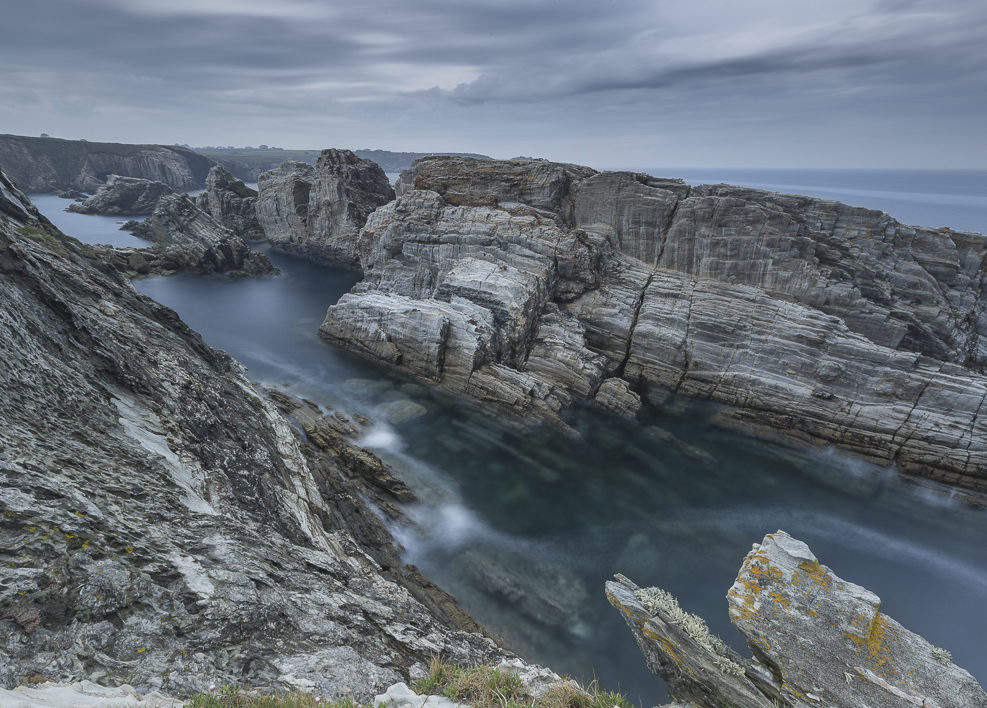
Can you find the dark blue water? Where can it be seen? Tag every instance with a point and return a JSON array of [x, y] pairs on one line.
[[90, 228], [525, 526]]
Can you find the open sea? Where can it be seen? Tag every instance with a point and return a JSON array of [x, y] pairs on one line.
[[525, 528]]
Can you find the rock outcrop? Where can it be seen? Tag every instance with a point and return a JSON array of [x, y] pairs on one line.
[[160, 522], [123, 196], [318, 212], [817, 640], [188, 239], [54, 165], [232, 203], [827, 322]]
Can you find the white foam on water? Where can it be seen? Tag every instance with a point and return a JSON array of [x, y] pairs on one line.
[[382, 437]]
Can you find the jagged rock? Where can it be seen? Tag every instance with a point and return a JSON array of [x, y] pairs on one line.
[[188, 239], [232, 203], [318, 212], [616, 396], [817, 641], [465, 181], [160, 521], [123, 196], [827, 322], [82, 694], [53, 164]]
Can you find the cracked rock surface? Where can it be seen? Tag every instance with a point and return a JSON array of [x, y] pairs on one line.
[[817, 640], [527, 283], [161, 523]]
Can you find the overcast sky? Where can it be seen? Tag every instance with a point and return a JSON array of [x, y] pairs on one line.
[[610, 83]]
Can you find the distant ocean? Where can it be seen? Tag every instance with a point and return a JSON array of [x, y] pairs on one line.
[[953, 198]]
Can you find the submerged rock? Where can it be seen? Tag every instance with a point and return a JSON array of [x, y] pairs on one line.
[[188, 239], [817, 640], [539, 280], [318, 212], [232, 203], [123, 196]]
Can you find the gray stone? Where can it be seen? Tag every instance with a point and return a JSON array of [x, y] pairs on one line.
[[123, 196], [616, 396], [232, 203], [188, 239], [318, 212]]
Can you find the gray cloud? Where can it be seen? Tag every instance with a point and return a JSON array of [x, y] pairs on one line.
[[587, 80]]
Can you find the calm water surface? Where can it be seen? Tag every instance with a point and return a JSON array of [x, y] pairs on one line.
[[524, 528]]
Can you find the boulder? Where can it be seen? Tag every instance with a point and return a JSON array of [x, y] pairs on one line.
[[232, 203], [123, 196], [318, 212], [817, 640]]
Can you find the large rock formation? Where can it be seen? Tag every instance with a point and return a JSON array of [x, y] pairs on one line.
[[54, 165], [232, 203], [817, 640], [188, 239], [828, 322], [318, 212], [160, 522], [123, 196]]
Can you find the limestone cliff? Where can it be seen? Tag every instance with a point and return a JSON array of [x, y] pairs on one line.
[[160, 521], [817, 640], [528, 284], [123, 196], [53, 164], [231, 203], [318, 212]]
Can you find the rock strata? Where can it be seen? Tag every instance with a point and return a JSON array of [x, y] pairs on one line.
[[188, 239], [54, 165], [817, 640], [161, 523], [232, 203], [318, 212], [123, 196], [538, 280]]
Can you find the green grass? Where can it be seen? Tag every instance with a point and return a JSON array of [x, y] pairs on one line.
[[488, 687]]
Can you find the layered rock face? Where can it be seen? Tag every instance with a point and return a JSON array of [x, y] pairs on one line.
[[123, 196], [817, 640], [318, 212], [827, 322], [232, 203], [188, 239], [54, 165], [160, 522]]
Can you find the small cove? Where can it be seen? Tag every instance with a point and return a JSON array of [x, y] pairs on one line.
[[525, 527]]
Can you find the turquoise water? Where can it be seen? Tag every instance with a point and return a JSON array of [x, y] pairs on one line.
[[524, 527]]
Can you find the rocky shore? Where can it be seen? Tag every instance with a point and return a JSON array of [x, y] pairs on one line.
[[164, 524], [530, 285], [127, 196]]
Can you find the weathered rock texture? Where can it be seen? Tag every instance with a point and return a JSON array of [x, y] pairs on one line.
[[817, 640], [318, 212], [161, 524], [827, 322], [127, 196], [232, 203], [53, 164], [188, 239]]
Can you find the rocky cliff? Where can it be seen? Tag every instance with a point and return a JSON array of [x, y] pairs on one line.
[[817, 640], [318, 212], [232, 203], [530, 284], [162, 524], [53, 164], [123, 196]]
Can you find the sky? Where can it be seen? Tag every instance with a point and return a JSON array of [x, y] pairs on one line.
[[608, 83]]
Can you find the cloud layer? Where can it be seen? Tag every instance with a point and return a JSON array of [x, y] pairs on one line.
[[611, 83]]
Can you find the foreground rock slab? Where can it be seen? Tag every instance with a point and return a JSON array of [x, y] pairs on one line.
[[817, 640]]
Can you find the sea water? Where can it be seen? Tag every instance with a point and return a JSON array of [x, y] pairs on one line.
[[524, 526]]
